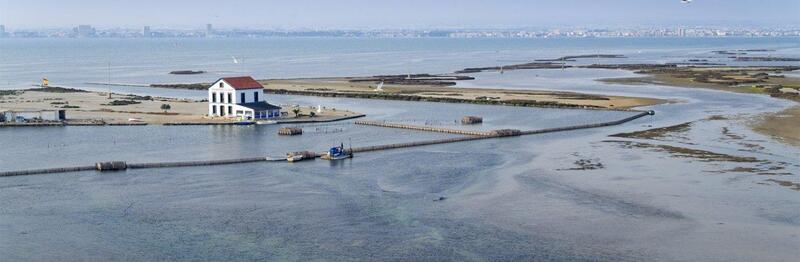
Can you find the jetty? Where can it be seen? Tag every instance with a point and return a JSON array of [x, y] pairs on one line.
[[422, 128], [116, 166]]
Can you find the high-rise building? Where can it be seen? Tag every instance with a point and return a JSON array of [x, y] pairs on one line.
[[146, 32], [2, 31], [84, 31], [209, 30]]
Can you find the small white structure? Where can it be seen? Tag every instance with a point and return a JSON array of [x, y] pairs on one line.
[[240, 97], [20, 116]]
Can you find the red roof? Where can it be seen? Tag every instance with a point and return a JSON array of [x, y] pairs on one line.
[[243, 82]]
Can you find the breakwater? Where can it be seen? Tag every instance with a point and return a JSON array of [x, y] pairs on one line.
[[470, 136], [422, 128]]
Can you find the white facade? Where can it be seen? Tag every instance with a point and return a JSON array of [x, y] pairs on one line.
[[28, 115], [226, 101]]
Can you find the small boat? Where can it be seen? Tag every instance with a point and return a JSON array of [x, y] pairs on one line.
[[294, 158], [338, 153], [300, 156], [136, 120], [244, 123]]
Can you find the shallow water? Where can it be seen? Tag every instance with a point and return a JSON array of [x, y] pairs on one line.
[[505, 199]]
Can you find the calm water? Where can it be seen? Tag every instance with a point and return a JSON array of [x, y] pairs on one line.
[[506, 199], [145, 61]]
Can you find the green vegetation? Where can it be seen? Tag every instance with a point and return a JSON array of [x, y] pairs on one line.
[[55, 89], [7, 92], [122, 103]]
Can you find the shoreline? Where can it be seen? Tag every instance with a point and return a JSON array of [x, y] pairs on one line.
[[783, 126], [767, 80], [435, 88], [85, 108], [277, 122]]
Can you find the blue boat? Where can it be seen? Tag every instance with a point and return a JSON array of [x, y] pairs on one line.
[[244, 123], [337, 153]]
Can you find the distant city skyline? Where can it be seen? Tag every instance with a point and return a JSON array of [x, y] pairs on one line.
[[89, 31], [363, 14]]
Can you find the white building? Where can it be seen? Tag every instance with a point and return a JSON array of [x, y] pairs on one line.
[[241, 97], [21, 116]]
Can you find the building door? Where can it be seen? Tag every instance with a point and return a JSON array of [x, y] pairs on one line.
[[255, 97], [244, 100]]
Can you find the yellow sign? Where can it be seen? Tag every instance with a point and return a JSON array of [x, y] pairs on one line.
[[45, 82]]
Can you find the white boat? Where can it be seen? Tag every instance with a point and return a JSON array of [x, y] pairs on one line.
[[294, 158], [266, 122], [134, 120]]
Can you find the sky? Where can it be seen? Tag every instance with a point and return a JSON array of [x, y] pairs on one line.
[[412, 14]]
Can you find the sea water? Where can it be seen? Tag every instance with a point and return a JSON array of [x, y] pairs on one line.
[[502, 199]]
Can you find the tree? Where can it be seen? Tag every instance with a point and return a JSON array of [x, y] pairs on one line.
[[166, 107], [312, 114], [296, 111]]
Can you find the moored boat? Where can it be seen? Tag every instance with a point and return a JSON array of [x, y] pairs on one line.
[[338, 153], [266, 122], [244, 123]]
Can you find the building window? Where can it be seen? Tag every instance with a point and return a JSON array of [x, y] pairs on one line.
[[230, 110], [255, 96], [220, 85], [213, 110], [221, 111], [244, 99], [230, 98], [221, 98], [213, 98]]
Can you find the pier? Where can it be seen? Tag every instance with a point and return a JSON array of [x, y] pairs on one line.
[[116, 166], [422, 128]]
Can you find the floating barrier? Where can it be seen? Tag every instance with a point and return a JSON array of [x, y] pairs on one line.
[[199, 163], [47, 171], [111, 166], [471, 136]]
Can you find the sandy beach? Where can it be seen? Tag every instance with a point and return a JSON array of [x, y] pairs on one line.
[[784, 125], [430, 92]]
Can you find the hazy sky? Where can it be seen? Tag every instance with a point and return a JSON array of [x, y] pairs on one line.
[[395, 14]]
